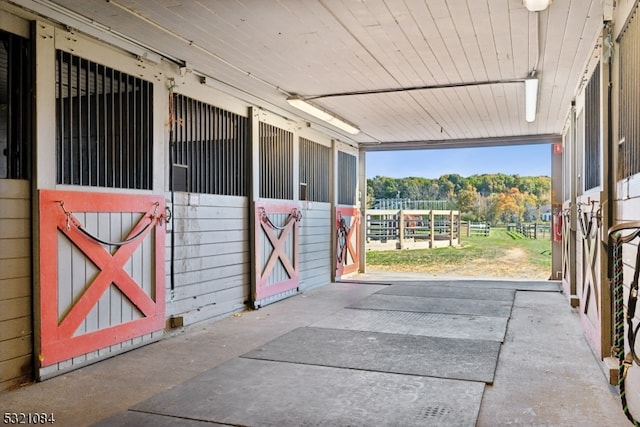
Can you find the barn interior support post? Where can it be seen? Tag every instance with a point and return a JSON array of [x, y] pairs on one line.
[[295, 179], [333, 199], [44, 169], [362, 202], [556, 209], [253, 160], [607, 197], [573, 211]]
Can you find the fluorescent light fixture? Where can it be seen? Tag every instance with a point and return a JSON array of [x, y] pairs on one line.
[[322, 114], [530, 97], [536, 5]]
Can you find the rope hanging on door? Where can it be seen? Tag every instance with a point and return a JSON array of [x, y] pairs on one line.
[[71, 219], [295, 215], [342, 238], [625, 361], [591, 218]]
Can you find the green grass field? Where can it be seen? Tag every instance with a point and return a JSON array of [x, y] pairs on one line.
[[500, 254]]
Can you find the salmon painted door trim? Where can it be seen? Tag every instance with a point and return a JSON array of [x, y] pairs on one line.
[[289, 233], [347, 240]]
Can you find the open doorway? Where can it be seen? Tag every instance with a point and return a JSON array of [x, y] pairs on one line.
[[470, 212]]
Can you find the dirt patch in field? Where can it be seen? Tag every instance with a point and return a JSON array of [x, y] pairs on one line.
[[513, 264]]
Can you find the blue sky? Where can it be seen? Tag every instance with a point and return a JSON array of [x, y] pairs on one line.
[[523, 160]]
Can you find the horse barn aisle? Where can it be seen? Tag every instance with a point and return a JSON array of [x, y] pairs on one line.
[[278, 365]]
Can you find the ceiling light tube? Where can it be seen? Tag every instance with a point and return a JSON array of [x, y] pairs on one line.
[[536, 5], [530, 97], [322, 114]]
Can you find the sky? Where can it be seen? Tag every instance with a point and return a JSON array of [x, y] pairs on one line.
[[523, 160]]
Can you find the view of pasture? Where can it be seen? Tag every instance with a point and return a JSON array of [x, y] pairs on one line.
[[509, 235], [502, 254]]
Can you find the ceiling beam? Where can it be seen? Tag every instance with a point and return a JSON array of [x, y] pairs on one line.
[[461, 143]]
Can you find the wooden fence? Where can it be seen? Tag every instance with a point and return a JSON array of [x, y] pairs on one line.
[[405, 229], [532, 231], [477, 228]]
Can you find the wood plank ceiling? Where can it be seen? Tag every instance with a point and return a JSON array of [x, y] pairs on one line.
[[264, 51]]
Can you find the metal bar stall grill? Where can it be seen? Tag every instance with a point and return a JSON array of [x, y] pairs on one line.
[[315, 162], [347, 178], [592, 122], [15, 120], [213, 144], [629, 99], [277, 251], [276, 162], [104, 124]]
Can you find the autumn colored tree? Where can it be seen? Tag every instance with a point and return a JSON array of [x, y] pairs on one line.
[[510, 206], [488, 197], [467, 199]]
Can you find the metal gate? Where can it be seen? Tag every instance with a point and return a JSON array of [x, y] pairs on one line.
[[101, 271], [276, 243], [347, 240], [590, 286]]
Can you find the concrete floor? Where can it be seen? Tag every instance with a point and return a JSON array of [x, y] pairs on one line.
[[546, 373]]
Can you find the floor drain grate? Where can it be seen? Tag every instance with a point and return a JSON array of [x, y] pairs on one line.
[[436, 412]]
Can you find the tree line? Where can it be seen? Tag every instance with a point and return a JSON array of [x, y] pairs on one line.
[[487, 197]]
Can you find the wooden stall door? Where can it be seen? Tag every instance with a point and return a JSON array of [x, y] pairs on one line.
[[347, 240], [101, 271], [589, 288], [568, 260], [276, 243]]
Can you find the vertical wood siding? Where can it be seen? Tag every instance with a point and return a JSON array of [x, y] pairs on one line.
[[212, 264], [16, 334]]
